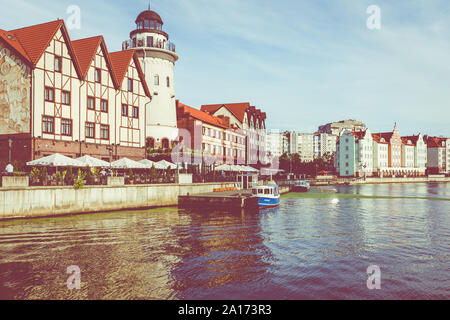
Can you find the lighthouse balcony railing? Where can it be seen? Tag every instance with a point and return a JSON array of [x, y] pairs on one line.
[[170, 46]]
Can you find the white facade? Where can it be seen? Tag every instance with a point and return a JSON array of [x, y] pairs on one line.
[[157, 57], [305, 147], [380, 155], [276, 143]]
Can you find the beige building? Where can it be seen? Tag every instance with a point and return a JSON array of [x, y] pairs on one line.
[[83, 99]]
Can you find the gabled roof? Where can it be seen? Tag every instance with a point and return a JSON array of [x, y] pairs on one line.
[[435, 142], [202, 116], [377, 138], [237, 109], [13, 43], [85, 50], [120, 62], [35, 39], [408, 142]]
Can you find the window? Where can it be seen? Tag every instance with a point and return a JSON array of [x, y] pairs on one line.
[[98, 75], [130, 85], [66, 127], [104, 106], [58, 64], [90, 130], [150, 42], [49, 94], [91, 103], [48, 124], [136, 112], [104, 132], [165, 143], [168, 82], [156, 80], [124, 110], [65, 98]]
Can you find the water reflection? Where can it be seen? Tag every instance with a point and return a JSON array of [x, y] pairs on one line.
[[315, 246]]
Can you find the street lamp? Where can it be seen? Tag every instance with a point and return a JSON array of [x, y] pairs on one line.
[[10, 141]]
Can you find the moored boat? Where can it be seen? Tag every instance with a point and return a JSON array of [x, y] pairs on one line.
[[268, 196], [301, 186]]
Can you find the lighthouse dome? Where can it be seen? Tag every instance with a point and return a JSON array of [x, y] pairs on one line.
[[148, 15]]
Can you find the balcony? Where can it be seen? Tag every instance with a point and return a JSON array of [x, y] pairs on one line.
[[142, 44]]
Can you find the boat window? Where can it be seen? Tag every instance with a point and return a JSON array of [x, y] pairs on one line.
[[260, 191], [266, 191], [254, 191]]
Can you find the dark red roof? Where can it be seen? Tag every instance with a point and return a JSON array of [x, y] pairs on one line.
[[377, 138], [35, 39], [85, 50], [435, 142], [11, 41], [202, 116], [120, 62], [237, 109], [149, 15]]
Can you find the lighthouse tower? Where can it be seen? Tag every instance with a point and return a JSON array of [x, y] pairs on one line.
[[157, 56]]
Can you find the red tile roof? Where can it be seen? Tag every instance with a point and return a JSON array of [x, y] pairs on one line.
[[377, 138], [202, 116], [435, 142], [237, 109], [35, 39], [13, 43], [85, 50], [120, 61]]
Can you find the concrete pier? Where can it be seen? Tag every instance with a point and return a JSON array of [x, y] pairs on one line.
[[224, 200]]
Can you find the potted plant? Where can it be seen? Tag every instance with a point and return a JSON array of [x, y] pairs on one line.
[[131, 176], [35, 175], [44, 176]]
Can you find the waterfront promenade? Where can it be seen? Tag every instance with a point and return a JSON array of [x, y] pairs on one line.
[[32, 202]]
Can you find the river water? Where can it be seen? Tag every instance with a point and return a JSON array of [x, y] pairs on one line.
[[314, 246]]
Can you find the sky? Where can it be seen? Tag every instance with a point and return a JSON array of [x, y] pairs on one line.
[[303, 62]]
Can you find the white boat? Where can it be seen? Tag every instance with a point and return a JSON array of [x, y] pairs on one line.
[[301, 186], [268, 196]]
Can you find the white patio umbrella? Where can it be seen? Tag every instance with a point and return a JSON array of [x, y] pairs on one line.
[[167, 164], [250, 169], [224, 167], [92, 162], [149, 164], [126, 163], [56, 160]]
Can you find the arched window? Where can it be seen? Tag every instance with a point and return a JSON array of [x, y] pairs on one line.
[[165, 143], [151, 143], [168, 82], [156, 81]]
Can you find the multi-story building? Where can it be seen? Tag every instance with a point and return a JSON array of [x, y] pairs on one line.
[[354, 154], [305, 148], [408, 148], [324, 143], [337, 128], [157, 56], [420, 151], [438, 153], [380, 154], [395, 147], [251, 121], [215, 139], [276, 143], [71, 97]]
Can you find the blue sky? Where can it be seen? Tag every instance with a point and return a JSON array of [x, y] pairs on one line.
[[305, 63]]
